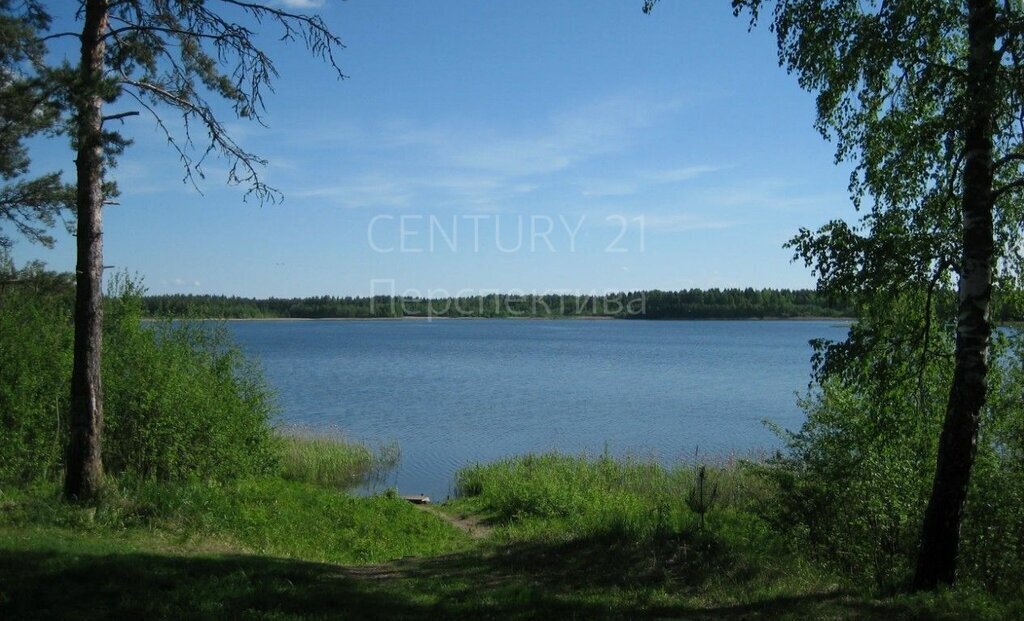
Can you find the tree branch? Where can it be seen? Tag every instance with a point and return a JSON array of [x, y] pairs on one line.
[[180, 32], [1006, 159], [120, 116], [926, 332], [1008, 188], [182, 156], [58, 35], [219, 139]]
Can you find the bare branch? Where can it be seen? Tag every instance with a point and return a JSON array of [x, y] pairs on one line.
[[120, 116], [185, 54], [219, 140], [182, 156], [318, 36], [180, 32], [59, 35]]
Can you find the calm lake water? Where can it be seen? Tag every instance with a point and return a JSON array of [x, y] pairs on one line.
[[455, 392]]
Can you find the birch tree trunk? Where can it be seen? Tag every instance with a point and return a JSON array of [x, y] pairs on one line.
[[940, 536]]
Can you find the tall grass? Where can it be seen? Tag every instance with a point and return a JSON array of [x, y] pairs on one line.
[[571, 496], [264, 515], [329, 459]]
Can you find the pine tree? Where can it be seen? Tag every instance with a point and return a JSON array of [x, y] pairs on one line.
[[28, 107], [157, 57]]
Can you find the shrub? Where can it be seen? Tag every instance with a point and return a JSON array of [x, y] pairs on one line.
[[35, 374], [854, 481], [992, 539], [180, 401]]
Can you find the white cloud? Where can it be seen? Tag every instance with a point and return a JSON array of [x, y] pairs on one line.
[[563, 141], [598, 188], [371, 190], [635, 182], [397, 190], [770, 195], [682, 222], [302, 4], [182, 283], [475, 165], [676, 175]]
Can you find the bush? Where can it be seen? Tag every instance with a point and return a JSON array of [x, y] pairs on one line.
[[35, 374], [854, 481], [180, 401], [992, 539]]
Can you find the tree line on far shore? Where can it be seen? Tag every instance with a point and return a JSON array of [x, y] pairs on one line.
[[732, 303]]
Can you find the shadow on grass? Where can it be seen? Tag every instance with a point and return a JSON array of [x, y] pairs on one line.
[[577, 580]]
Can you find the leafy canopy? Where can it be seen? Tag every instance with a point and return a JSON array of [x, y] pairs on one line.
[[891, 85]]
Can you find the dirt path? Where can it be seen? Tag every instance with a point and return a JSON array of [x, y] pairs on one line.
[[470, 524]]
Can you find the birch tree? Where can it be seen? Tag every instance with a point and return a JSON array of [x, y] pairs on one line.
[[926, 99]]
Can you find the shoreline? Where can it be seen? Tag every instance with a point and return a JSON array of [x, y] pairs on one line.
[[565, 318]]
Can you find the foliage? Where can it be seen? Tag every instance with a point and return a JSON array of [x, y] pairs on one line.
[[925, 100], [27, 108], [855, 478], [891, 86], [182, 401], [688, 304], [993, 531], [163, 56], [330, 460], [262, 515], [35, 364], [576, 496]]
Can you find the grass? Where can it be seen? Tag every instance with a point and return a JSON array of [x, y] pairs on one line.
[[48, 575], [572, 537], [261, 516], [565, 496], [61, 575], [331, 460]]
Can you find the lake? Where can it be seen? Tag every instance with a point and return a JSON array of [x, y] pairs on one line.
[[452, 392]]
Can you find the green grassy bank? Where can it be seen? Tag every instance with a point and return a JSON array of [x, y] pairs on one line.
[[569, 537]]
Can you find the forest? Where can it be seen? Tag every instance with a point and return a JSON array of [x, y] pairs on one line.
[[735, 303], [746, 303]]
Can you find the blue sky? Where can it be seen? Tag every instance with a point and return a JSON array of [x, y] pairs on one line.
[[477, 147]]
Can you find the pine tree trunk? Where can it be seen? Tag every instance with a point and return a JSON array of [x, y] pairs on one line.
[[940, 536], [84, 474]]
